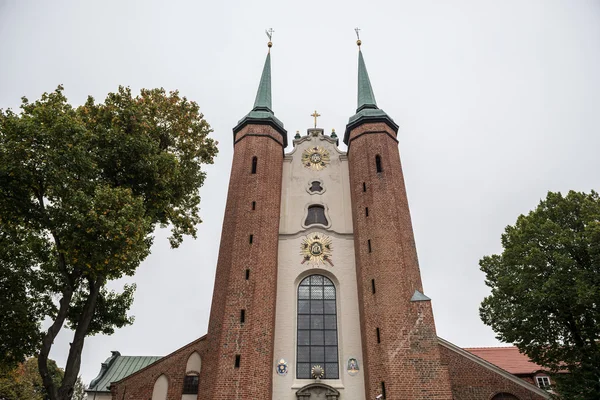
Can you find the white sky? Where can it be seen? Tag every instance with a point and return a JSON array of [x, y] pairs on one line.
[[497, 101]]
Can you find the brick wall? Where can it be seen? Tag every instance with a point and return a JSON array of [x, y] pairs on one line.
[[407, 358], [227, 336], [139, 385], [473, 381]]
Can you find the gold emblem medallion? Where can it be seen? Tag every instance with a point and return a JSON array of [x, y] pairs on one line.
[[315, 158], [316, 249]]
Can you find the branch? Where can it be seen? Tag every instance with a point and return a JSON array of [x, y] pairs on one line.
[[74, 360], [62, 263]]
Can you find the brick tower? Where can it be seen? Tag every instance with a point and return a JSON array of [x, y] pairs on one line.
[[400, 347], [241, 326]]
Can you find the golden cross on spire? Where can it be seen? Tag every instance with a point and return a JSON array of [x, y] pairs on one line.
[[269, 33], [315, 115]]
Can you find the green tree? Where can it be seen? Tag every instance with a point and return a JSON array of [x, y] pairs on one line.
[[546, 290], [81, 192]]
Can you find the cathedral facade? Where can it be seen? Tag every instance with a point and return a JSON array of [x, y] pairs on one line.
[[318, 293]]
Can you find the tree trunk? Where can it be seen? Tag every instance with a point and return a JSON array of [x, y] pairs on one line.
[[48, 341], [65, 392]]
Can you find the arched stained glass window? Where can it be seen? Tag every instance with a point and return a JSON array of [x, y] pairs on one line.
[[317, 328], [316, 215]]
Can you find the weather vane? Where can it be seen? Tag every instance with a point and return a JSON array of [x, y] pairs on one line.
[[358, 42]]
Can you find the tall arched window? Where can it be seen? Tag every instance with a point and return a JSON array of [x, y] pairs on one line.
[[316, 215], [317, 328], [378, 163], [254, 162]]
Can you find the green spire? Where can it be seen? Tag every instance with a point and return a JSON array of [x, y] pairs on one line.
[[263, 96], [367, 110], [261, 113], [366, 97]]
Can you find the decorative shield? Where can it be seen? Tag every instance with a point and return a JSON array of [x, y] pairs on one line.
[[282, 367]]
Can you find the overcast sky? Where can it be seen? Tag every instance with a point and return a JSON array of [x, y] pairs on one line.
[[498, 102]]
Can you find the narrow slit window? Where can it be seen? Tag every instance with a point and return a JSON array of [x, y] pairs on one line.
[[254, 205], [254, 162], [368, 244], [251, 238], [247, 274], [242, 316], [237, 360], [366, 211], [378, 335], [383, 389], [316, 215], [378, 163], [373, 285], [364, 186]]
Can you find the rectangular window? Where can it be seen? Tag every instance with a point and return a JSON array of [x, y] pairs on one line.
[[368, 243], [247, 274], [543, 382], [373, 285], [378, 336], [190, 384], [366, 211], [243, 316], [251, 238], [383, 389], [237, 360], [364, 187], [254, 205]]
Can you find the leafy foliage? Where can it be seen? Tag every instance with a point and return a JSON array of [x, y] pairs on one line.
[[546, 290], [25, 383], [81, 191]]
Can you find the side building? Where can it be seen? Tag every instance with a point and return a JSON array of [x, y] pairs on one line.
[[318, 293]]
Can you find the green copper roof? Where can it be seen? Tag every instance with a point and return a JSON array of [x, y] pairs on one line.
[[367, 110], [116, 368], [366, 97], [262, 114], [263, 96]]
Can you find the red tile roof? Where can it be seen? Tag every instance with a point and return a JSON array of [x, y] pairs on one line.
[[507, 358]]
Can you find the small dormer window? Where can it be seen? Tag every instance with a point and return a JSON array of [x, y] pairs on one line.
[[543, 382], [316, 215]]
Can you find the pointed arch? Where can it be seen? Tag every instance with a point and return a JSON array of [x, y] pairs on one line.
[[194, 363], [161, 387]]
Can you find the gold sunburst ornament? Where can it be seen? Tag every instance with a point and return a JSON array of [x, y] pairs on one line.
[[316, 249], [315, 158]]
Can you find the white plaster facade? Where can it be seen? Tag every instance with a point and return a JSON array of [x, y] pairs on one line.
[[295, 199]]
